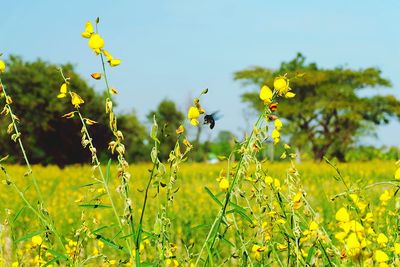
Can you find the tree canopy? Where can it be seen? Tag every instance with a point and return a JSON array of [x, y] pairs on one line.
[[168, 118], [34, 87], [328, 114]]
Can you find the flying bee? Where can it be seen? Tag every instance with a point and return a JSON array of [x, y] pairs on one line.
[[211, 118]]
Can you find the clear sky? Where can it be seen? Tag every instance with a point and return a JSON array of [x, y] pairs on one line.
[[174, 49]]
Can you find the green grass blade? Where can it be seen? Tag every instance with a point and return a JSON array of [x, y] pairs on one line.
[[213, 196]]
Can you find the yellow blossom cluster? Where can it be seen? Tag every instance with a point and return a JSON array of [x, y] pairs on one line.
[[268, 96], [2, 66], [96, 43], [195, 111], [360, 239]]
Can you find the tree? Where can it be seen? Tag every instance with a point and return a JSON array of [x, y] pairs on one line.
[[168, 118], [48, 137], [328, 113], [223, 144], [136, 138]]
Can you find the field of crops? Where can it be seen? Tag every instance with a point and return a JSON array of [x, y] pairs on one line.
[[192, 212]]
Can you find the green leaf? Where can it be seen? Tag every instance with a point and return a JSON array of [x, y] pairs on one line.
[[209, 257], [85, 185], [110, 243], [95, 206], [99, 229], [213, 196], [154, 130], [227, 241], [51, 261], [310, 254], [241, 213], [57, 254], [28, 236], [18, 214], [199, 226]]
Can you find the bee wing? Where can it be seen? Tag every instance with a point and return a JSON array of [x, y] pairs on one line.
[[216, 115]]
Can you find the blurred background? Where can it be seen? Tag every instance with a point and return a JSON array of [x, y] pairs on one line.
[[346, 106]]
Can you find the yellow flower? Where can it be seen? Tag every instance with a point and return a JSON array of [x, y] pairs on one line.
[[76, 100], [268, 180], [356, 226], [89, 121], [353, 242], [96, 76], [115, 62], [69, 115], [187, 143], [193, 115], [108, 55], [37, 240], [382, 239], [9, 100], [381, 256], [96, 42], [275, 134], [281, 84], [180, 129], [224, 184], [63, 91], [397, 174], [256, 251], [113, 91], [2, 66], [397, 248], [111, 60], [171, 263], [290, 95], [342, 215], [278, 124], [277, 184], [266, 94], [341, 235], [385, 197], [88, 30], [297, 197], [313, 226], [282, 246]]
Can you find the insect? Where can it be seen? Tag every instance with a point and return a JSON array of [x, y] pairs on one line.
[[211, 118]]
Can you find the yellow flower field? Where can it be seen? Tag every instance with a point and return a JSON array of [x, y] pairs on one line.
[[193, 209]]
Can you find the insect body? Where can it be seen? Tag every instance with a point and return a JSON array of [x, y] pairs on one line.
[[210, 119]]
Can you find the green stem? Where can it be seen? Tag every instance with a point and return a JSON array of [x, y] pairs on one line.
[[98, 165], [140, 227], [28, 165], [120, 158], [39, 213], [218, 221]]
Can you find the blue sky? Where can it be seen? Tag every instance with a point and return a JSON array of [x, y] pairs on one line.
[[174, 49]]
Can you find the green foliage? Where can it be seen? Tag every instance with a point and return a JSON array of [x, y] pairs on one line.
[[168, 118], [136, 137], [366, 153], [223, 144], [34, 87], [328, 114]]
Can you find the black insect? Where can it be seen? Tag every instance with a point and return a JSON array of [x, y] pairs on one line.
[[211, 118]]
